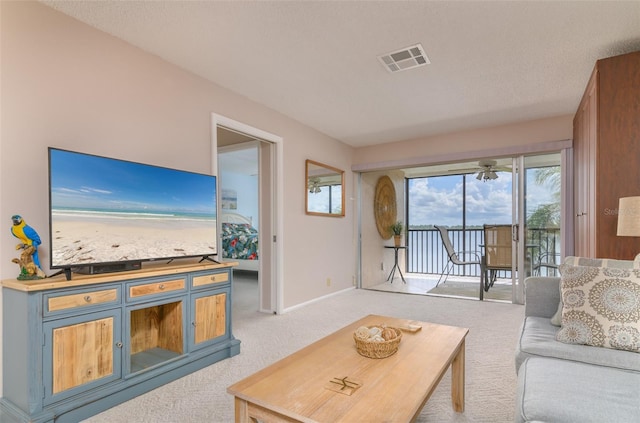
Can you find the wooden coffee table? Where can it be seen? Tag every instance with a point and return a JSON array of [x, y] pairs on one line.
[[328, 381]]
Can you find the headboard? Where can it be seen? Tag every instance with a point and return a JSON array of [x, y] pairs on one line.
[[231, 217]]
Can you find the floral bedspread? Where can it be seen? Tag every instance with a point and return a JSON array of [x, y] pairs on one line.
[[239, 241]]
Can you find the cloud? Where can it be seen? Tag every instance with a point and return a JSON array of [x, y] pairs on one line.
[[438, 200], [96, 190]]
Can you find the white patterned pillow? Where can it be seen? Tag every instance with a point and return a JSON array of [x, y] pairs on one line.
[[556, 319], [601, 307]]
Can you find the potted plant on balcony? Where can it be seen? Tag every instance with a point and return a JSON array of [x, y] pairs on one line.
[[396, 229]]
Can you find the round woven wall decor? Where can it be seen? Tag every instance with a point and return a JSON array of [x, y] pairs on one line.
[[384, 206]]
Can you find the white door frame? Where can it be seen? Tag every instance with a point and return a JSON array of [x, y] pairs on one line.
[[276, 267]]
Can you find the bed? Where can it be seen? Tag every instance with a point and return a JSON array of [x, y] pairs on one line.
[[239, 241]]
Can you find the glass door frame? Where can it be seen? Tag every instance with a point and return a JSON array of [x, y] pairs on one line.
[[521, 244], [518, 252]]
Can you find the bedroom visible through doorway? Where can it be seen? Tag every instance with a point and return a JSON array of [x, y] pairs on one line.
[[239, 203], [246, 164]]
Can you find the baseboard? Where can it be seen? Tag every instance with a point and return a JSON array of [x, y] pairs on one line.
[[297, 306]]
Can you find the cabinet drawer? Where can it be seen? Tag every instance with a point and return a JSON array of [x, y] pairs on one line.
[[210, 279], [160, 287], [82, 299]]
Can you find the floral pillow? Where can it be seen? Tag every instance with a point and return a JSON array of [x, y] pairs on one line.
[[601, 307]]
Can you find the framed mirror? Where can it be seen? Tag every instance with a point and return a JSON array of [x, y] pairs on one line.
[[324, 190]]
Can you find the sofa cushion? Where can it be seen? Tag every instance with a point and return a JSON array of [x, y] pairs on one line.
[[559, 391], [538, 339], [601, 307]]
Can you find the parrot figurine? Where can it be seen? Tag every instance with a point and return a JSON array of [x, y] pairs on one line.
[[27, 235]]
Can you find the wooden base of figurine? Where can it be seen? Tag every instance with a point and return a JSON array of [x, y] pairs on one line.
[[28, 269]]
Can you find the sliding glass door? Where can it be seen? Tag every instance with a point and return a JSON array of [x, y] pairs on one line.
[[519, 197], [537, 201]]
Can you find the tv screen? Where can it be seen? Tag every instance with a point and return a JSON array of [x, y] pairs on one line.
[[107, 211]]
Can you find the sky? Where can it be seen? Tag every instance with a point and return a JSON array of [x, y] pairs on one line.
[[87, 182], [438, 200]]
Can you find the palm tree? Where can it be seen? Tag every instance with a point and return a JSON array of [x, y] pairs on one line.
[[547, 215]]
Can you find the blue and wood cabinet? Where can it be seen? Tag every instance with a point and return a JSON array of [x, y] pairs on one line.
[[72, 349]]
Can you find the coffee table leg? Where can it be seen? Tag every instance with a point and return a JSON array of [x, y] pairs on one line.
[[457, 380], [242, 411], [248, 412]]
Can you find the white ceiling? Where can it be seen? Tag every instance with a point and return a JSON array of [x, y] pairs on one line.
[[492, 63]]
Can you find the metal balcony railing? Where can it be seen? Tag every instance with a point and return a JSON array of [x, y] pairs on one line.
[[426, 253]]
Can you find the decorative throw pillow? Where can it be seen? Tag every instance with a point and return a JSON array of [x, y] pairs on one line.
[[556, 319], [601, 307]]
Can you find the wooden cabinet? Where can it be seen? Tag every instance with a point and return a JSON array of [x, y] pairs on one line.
[[79, 347], [606, 131], [80, 353], [209, 319], [156, 333]]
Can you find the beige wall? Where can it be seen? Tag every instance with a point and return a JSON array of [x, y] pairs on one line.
[[67, 85], [377, 261], [506, 140]]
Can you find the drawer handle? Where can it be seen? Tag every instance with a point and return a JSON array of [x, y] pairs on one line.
[[87, 298], [161, 286], [213, 278]]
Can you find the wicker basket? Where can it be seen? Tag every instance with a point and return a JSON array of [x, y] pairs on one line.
[[373, 349]]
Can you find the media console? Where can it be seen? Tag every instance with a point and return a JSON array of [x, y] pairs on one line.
[[74, 348]]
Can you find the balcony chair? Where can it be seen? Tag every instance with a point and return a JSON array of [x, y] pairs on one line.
[[454, 256], [547, 261], [497, 252]]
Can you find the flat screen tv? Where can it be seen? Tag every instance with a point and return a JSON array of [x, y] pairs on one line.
[[108, 214]]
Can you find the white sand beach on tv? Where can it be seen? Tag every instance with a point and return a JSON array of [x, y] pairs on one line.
[[81, 239]]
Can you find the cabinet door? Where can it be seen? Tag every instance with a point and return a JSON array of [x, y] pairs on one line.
[[585, 141], [80, 353], [209, 317]]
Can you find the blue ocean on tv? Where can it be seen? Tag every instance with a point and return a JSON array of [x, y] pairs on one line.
[[133, 214]]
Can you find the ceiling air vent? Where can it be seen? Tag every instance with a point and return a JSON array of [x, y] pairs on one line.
[[406, 58]]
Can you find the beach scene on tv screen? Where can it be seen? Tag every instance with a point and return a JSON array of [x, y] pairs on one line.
[[105, 210]]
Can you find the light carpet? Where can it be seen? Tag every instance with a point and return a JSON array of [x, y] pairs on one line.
[[202, 397]]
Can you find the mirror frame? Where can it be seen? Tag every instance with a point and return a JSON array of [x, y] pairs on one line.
[[306, 188]]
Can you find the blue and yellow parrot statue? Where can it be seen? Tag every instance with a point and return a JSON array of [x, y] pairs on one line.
[[27, 235]]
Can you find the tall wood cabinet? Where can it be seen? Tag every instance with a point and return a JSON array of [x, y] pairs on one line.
[[75, 348], [606, 137]]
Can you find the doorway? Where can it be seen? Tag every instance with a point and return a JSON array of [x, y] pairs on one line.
[[258, 196]]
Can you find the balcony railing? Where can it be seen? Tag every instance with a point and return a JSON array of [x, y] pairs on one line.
[[426, 252]]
